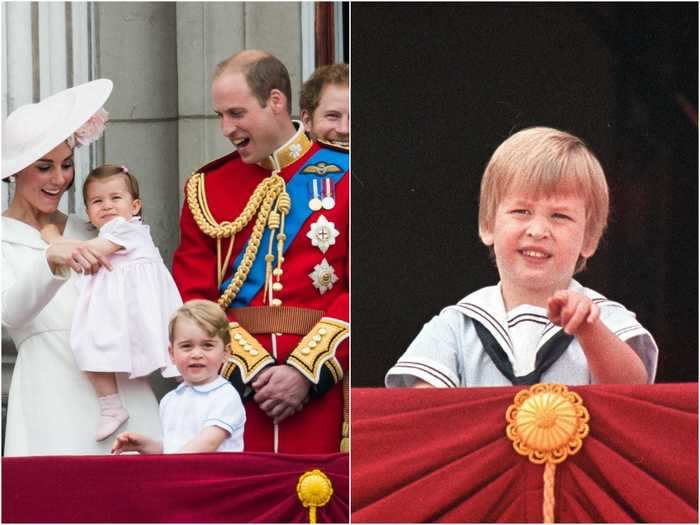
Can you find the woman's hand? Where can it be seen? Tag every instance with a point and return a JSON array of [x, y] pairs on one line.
[[76, 255]]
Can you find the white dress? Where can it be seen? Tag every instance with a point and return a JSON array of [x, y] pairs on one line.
[[121, 317], [52, 407]]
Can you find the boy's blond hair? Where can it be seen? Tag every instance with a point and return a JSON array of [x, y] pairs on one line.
[[207, 315], [544, 161]]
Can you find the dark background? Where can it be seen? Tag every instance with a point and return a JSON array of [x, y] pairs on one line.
[[437, 87]]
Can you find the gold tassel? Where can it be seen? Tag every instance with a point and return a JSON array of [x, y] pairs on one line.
[[285, 205], [273, 222], [219, 266], [228, 257], [548, 497], [345, 438]]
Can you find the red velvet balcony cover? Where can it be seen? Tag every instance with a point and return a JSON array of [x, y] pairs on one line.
[[174, 488], [435, 455]]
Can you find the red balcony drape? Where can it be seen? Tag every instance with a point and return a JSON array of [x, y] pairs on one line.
[[436, 455], [172, 488]]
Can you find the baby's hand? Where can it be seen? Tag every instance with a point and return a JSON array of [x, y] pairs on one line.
[[50, 233], [571, 310], [126, 442]]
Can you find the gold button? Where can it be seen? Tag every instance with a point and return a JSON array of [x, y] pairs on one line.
[[305, 351]]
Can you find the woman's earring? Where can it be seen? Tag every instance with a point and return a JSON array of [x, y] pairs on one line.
[[12, 178]]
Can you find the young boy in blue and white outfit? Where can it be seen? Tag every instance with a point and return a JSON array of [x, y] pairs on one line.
[[543, 209], [204, 413]]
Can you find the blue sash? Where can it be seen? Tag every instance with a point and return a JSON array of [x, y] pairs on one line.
[[297, 216]]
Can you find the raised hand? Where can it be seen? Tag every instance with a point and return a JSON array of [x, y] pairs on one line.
[[572, 311]]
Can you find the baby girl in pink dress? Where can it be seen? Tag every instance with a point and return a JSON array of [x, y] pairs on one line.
[[121, 317]]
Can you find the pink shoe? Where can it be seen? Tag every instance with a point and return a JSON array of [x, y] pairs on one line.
[[112, 416]]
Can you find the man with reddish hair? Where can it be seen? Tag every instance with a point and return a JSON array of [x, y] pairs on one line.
[[325, 104], [264, 231]]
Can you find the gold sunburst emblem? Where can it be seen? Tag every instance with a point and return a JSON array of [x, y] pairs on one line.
[[314, 490], [547, 423]]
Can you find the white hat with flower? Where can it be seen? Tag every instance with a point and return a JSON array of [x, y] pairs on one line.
[[74, 115]]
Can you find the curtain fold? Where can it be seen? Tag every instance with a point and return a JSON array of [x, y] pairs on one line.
[[174, 488], [325, 34], [438, 455]]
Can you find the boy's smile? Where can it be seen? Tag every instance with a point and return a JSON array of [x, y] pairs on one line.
[[197, 355], [537, 241]]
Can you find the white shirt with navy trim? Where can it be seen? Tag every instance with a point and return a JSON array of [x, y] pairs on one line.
[[187, 410], [448, 352]]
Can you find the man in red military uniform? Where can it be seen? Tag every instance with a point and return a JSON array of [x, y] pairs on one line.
[[264, 231]]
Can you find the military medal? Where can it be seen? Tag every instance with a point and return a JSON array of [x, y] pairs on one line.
[[326, 197], [322, 234], [323, 277], [328, 201], [315, 202]]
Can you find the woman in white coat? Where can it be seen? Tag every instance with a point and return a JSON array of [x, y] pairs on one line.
[[52, 408]]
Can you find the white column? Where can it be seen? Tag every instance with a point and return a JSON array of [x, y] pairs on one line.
[[338, 31], [53, 64], [17, 64], [3, 57], [52, 48], [83, 71], [308, 39], [17, 55]]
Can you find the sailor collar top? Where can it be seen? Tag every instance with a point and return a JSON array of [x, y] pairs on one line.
[[477, 343]]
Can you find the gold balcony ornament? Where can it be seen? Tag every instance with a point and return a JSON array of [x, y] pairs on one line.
[[547, 423], [314, 490]]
